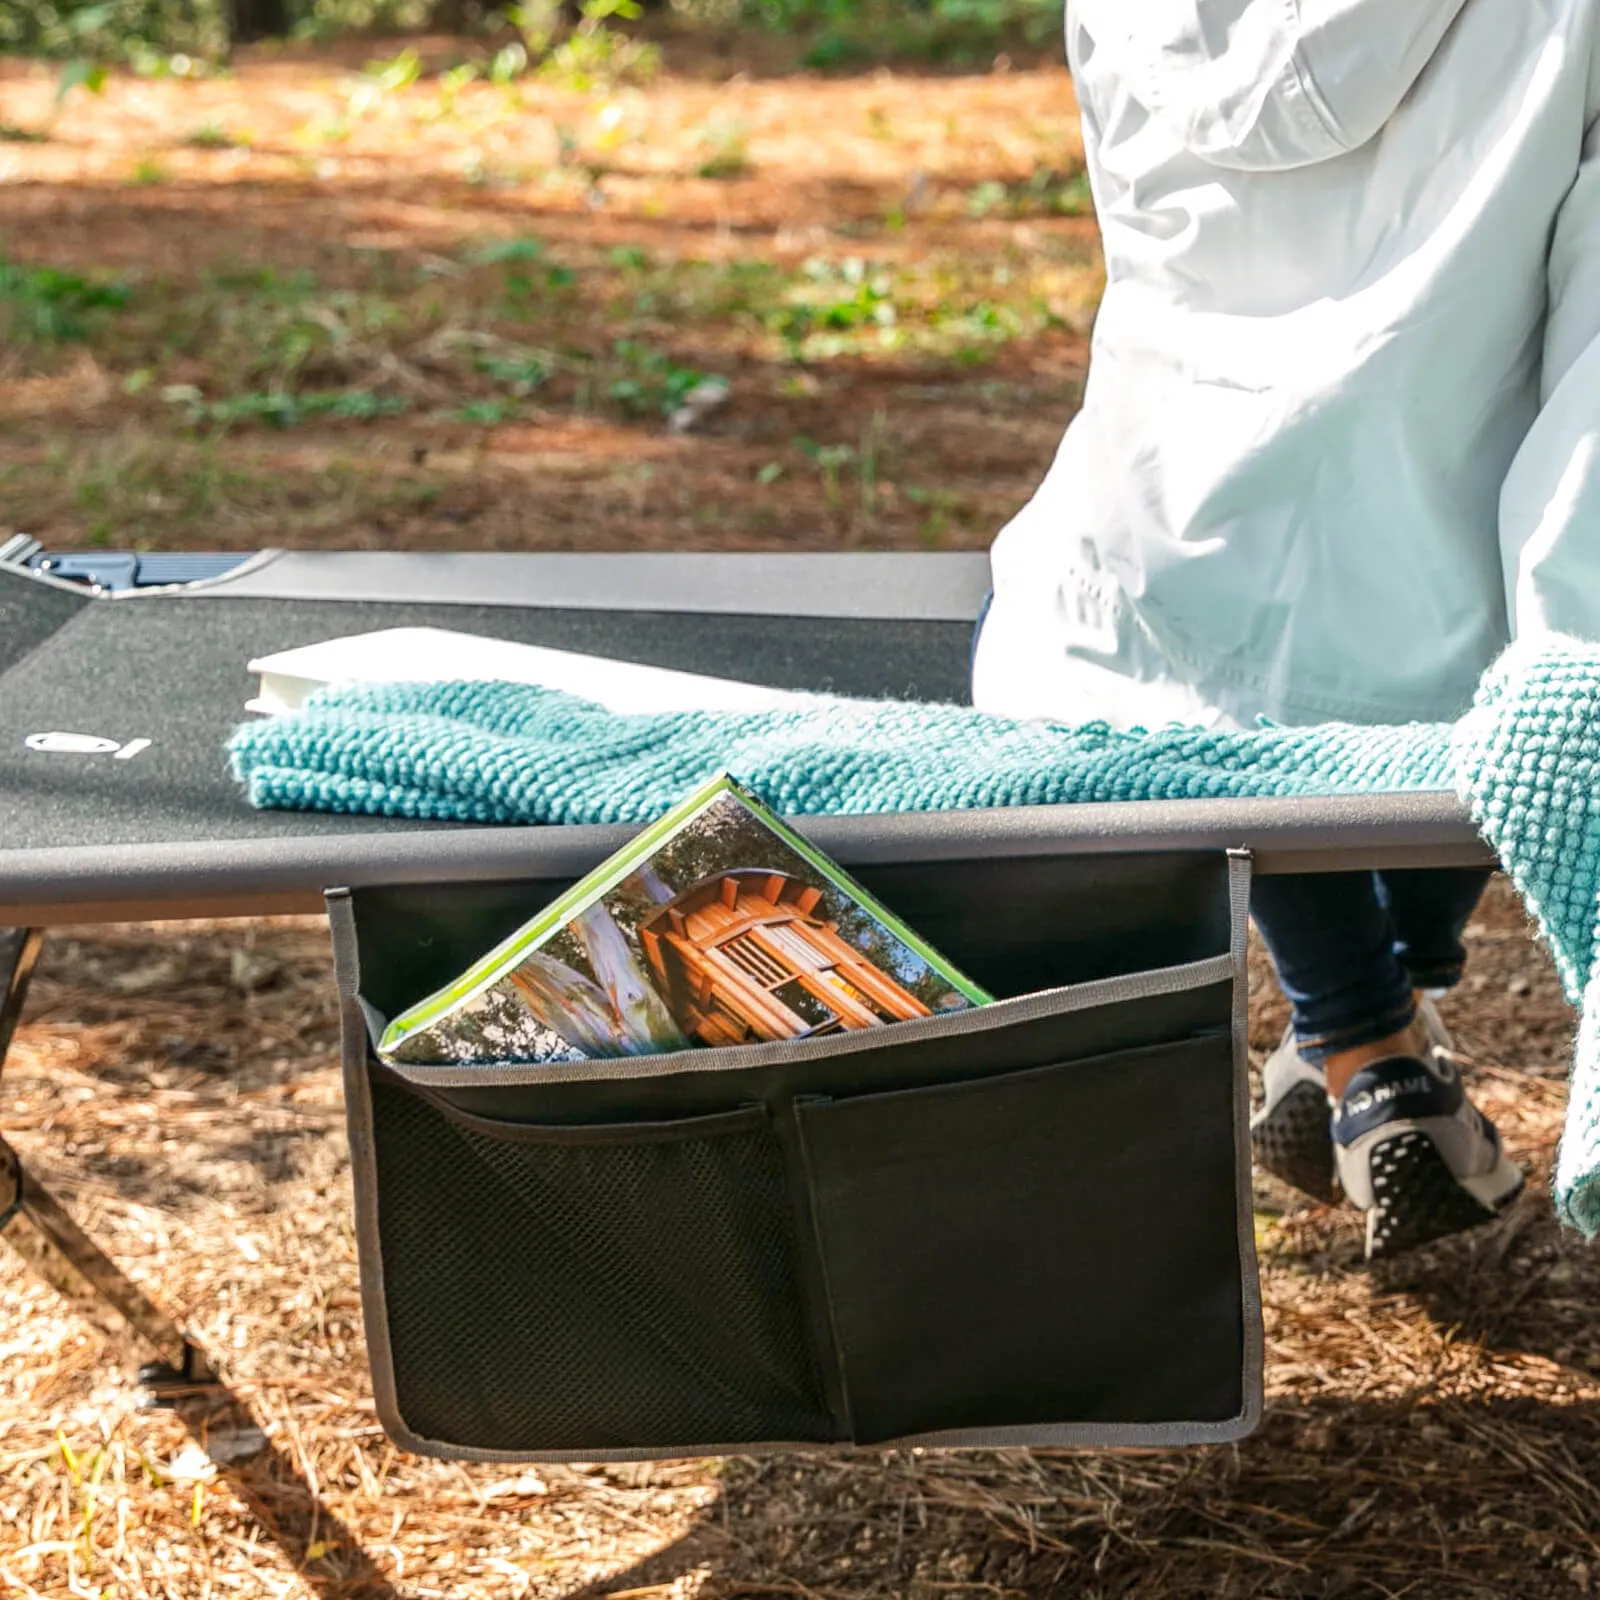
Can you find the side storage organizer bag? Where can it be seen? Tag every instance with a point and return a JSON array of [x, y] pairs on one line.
[[1026, 1223]]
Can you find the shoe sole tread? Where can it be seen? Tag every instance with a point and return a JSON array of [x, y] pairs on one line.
[[1291, 1141], [1416, 1197]]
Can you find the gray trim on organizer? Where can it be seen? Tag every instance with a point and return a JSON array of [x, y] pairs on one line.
[[742, 1057], [1239, 874], [364, 1170], [944, 586], [1034, 1436], [241, 876], [359, 1023]]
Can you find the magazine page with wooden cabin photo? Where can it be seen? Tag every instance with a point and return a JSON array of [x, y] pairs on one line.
[[718, 925]]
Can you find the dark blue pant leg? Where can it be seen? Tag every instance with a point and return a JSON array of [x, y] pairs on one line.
[[1429, 909], [1351, 946]]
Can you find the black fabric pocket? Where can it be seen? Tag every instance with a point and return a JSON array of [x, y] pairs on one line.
[[1041, 1246], [569, 1288]]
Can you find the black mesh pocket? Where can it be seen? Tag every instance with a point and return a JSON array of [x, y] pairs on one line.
[[557, 1288]]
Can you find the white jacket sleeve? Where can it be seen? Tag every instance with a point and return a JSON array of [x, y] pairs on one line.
[[1260, 85], [1550, 504]]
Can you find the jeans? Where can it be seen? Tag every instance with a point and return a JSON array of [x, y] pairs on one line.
[[1350, 947]]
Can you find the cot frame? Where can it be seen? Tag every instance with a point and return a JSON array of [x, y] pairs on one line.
[[41, 889]]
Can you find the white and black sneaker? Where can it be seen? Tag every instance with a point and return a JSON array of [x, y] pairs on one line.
[[1416, 1155], [1289, 1135]]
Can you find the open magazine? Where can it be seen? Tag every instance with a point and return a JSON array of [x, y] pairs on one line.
[[717, 925]]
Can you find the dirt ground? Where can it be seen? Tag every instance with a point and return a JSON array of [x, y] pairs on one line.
[[290, 307]]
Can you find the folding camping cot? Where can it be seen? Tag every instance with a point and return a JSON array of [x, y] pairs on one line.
[[1026, 1224]]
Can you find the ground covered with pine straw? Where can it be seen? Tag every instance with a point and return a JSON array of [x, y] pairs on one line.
[[1433, 1427]]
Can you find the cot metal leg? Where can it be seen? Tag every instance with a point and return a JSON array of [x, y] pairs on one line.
[[36, 1225], [19, 953]]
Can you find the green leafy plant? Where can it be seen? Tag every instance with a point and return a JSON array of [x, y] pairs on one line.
[[520, 281], [483, 413], [836, 463], [981, 323], [267, 283], [44, 304], [727, 145], [521, 373], [594, 53], [398, 72], [280, 408], [986, 197], [500, 251], [90, 35], [537, 21], [1071, 196], [652, 382], [211, 136], [834, 307], [451, 83], [183, 37], [597, 55], [509, 63], [81, 73], [941, 510], [380, 79], [839, 33], [282, 332], [1046, 192]]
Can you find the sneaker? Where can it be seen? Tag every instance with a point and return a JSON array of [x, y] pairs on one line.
[[1289, 1135], [1416, 1155]]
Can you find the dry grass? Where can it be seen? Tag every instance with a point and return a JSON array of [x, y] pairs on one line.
[[1433, 1430]]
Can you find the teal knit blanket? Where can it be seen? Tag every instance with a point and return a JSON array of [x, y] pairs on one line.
[[1526, 758]]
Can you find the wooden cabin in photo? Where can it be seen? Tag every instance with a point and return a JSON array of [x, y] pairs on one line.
[[742, 957]]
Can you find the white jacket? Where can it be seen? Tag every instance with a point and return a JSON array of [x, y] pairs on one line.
[[1341, 435]]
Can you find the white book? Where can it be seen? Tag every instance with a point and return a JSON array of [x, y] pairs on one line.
[[437, 655]]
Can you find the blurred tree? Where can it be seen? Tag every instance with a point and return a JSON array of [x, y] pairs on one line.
[[111, 30], [249, 20]]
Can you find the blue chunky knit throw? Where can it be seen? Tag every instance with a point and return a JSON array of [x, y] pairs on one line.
[[1526, 758]]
